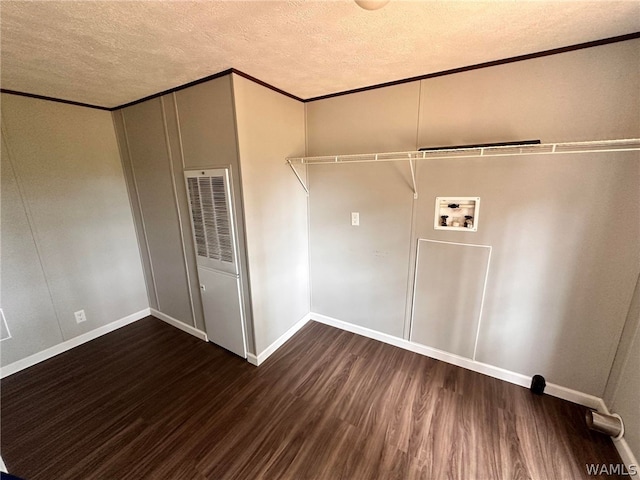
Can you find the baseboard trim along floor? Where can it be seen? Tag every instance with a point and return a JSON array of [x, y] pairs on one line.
[[179, 325], [71, 343], [267, 352], [490, 370], [552, 389]]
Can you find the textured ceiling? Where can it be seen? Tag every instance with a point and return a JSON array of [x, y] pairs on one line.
[[112, 52]]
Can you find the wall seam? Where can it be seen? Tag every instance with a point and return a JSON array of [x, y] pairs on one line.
[[177, 205], [130, 196], [484, 295], [144, 229], [623, 368], [184, 167], [624, 362], [32, 227], [240, 210], [411, 273], [306, 131], [413, 243], [308, 200]]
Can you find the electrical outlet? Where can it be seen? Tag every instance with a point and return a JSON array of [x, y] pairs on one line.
[[355, 218], [80, 316]]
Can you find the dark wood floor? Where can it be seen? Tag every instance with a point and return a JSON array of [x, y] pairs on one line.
[[149, 401]]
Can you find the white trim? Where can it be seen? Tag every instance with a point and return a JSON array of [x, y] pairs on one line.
[[267, 352], [475, 366], [627, 456], [453, 243], [3, 467], [179, 325], [484, 295], [242, 316], [69, 344], [575, 396]]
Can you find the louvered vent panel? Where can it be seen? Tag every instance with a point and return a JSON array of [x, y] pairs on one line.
[[210, 215], [223, 228], [196, 213]]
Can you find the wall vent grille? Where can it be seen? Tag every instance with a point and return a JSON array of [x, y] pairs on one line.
[[210, 217]]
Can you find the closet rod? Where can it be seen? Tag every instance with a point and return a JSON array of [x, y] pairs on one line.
[[600, 146]]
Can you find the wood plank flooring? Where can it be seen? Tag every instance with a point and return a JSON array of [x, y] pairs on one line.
[[150, 401]]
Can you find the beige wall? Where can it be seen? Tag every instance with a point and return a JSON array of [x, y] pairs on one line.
[[270, 128], [68, 239], [207, 124], [196, 128], [205, 131], [25, 297], [146, 145], [360, 274], [381, 120], [564, 261], [555, 288], [589, 94], [565, 253], [159, 139], [134, 202]]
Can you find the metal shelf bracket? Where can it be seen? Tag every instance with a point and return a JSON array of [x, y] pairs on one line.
[[306, 189], [413, 178]]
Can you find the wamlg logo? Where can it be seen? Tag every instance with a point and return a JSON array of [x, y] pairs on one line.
[[611, 469]]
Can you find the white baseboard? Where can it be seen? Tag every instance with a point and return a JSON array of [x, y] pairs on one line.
[[490, 370], [627, 456], [575, 396], [69, 344], [267, 352], [180, 325]]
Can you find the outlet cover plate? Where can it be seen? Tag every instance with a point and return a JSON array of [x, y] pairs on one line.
[[80, 316]]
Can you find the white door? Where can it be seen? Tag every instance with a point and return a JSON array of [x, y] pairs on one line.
[[215, 241]]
